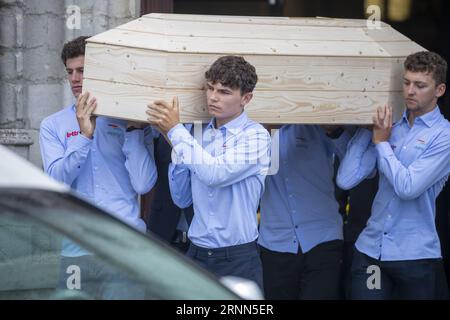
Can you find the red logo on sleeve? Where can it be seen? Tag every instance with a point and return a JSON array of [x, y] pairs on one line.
[[72, 134]]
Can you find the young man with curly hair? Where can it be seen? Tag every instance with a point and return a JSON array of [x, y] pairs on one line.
[[221, 171]]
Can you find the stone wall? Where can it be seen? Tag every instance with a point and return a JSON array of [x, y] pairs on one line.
[[32, 77]]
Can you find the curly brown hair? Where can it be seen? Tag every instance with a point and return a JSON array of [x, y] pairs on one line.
[[428, 62], [233, 72], [74, 48]]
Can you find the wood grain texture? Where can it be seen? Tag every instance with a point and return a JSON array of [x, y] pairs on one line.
[[211, 29], [333, 107], [310, 70], [217, 45], [156, 69], [298, 21]]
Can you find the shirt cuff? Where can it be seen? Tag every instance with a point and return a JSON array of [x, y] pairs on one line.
[[174, 158], [384, 149], [81, 142], [178, 134], [175, 133]]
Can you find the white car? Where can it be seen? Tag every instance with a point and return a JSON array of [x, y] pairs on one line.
[[37, 214]]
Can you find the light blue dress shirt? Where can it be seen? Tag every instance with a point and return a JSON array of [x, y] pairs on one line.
[[413, 168], [223, 176], [299, 206], [110, 170]]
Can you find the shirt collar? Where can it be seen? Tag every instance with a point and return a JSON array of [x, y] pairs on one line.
[[429, 118], [234, 126]]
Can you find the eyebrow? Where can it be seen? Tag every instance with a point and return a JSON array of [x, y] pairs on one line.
[[406, 79]]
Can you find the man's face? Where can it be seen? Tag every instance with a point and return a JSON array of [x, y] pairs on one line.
[[224, 103], [420, 92], [75, 68]]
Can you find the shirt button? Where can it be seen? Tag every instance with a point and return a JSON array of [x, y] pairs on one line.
[[389, 216], [404, 147], [210, 253], [210, 195]]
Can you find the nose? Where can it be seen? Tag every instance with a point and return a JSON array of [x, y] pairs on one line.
[[212, 95], [410, 89], [76, 76]]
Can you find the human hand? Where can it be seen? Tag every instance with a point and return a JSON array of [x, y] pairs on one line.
[[164, 115], [382, 124], [84, 110]]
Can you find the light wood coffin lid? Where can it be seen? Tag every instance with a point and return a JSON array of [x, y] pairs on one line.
[[310, 70]]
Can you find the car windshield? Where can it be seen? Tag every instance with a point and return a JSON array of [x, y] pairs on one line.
[[55, 246]]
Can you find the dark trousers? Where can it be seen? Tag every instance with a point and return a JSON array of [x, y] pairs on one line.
[[409, 279], [240, 261], [315, 274], [347, 269]]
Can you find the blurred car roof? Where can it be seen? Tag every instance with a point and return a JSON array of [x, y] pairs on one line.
[[16, 172]]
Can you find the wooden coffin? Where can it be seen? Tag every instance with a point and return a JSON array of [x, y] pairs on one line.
[[310, 70]]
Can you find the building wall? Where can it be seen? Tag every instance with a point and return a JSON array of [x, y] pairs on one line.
[[32, 77]]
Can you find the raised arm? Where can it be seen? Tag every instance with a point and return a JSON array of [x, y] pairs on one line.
[[140, 160], [180, 184], [409, 182], [62, 164], [359, 161]]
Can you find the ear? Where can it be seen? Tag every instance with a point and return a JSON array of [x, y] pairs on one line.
[[246, 98], [440, 90]]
